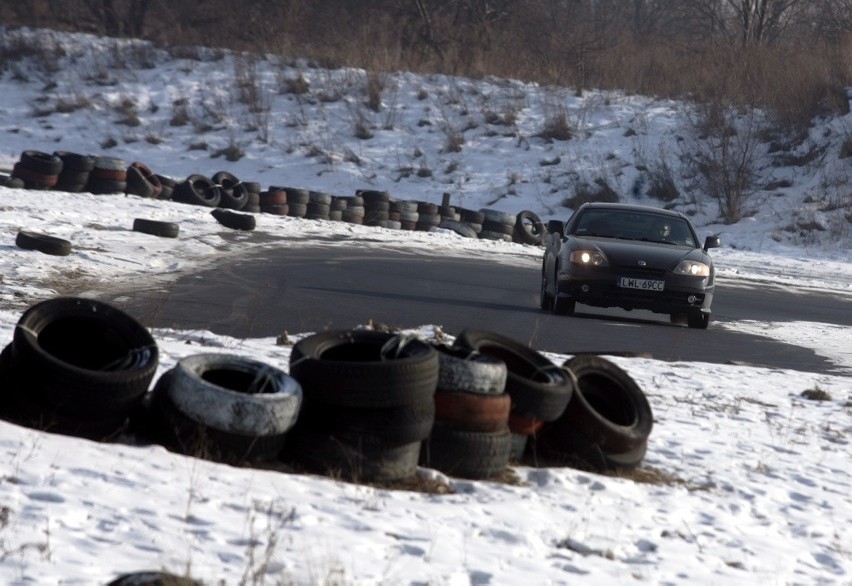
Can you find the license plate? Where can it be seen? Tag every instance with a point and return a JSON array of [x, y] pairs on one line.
[[643, 284]]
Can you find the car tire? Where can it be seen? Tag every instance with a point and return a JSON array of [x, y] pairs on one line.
[[234, 220], [699, 320], [539, 388], [466, 454], [85, 364], [529, 229], [606, 425], [563, 305], [365, 368], [545, 299], [156, 228], [235, 394], [460, 369], [472, 411], [43, 243]]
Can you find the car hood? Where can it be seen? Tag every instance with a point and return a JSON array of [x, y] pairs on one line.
[[630, 252]]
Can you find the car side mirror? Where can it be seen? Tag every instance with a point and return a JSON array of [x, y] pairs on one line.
[[712, 242], [557, 226]]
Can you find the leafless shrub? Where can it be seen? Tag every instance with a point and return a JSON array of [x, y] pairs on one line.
[[375, 86], [127, 110], [724, 150], [297, 85], [180, 112], [232, 153], [598, 190], [556, 125]]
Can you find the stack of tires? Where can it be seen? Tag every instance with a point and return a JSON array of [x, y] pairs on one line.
[[428, 216], [355, 211], [470, 437], [319, 206], [528, 229], [368, 404], [77, 367], [75, 171], [108, 176], [376, 207], [540, 390], [37, 170], [274, 201], [222, 407], [497, 225], [297, 202]]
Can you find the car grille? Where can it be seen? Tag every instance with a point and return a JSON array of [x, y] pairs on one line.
[[640, 272]]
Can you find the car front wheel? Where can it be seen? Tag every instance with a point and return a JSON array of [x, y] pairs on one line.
[[698, 320], [563, 305]]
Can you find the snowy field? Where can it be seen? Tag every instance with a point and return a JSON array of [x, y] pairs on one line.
[[747, 481]]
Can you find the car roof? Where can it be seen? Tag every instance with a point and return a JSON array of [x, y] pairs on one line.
[[598, 205]]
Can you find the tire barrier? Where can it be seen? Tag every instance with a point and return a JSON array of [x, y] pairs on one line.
[[76, 366], [234, 220], [224, 408], [72, 172], [368, 403], [364, 405], [606, 425]]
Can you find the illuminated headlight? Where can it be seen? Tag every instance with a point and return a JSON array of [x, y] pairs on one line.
[[692, 269], [588, 258]]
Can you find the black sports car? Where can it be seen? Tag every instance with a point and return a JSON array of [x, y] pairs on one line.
[[628, 256]]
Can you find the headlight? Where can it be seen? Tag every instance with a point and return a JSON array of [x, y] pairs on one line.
[[588, 258], [692, 268]]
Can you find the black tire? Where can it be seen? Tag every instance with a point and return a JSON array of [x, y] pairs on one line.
[[74, 162], [101, 186], [609, 416], [234, 191], [168, 186], [234, 220], [698, 320], [277, 210], [153, 578], [299, 196], [529, 228], [460, 369], [142, 181], [86, 364], [563, 305], [33, 179], [545, 298], [297, 210], [364, 368], [43, 243], [498, 228], [198, 190], [490, 235], [156, 228], [466, 454], [43, 163], [539, 388], [402, 424], [497, 217], [459, 228]]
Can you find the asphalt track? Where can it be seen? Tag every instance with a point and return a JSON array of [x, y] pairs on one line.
[[298, 290]]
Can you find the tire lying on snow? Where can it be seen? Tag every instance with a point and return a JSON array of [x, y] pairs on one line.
[[606, 425], [44, 243], [227, 407], [78, 366]]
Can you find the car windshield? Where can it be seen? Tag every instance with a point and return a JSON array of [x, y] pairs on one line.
[[634, 225]]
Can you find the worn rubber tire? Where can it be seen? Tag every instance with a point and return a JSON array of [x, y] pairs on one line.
[[472, 411], [234, 191], [402, 424], [539, 388], [459, 228], [156, 228], [74, 162], [460, 369], [198, 190], [153, 578], [84, 360], [43, 243], [608, 421], [364, 368], [142, 181], [235, 394], [234, 220], [529, 228], [40, 162], [466, 454]]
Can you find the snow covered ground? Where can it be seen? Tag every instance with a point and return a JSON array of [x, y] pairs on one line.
[[748, 481]]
